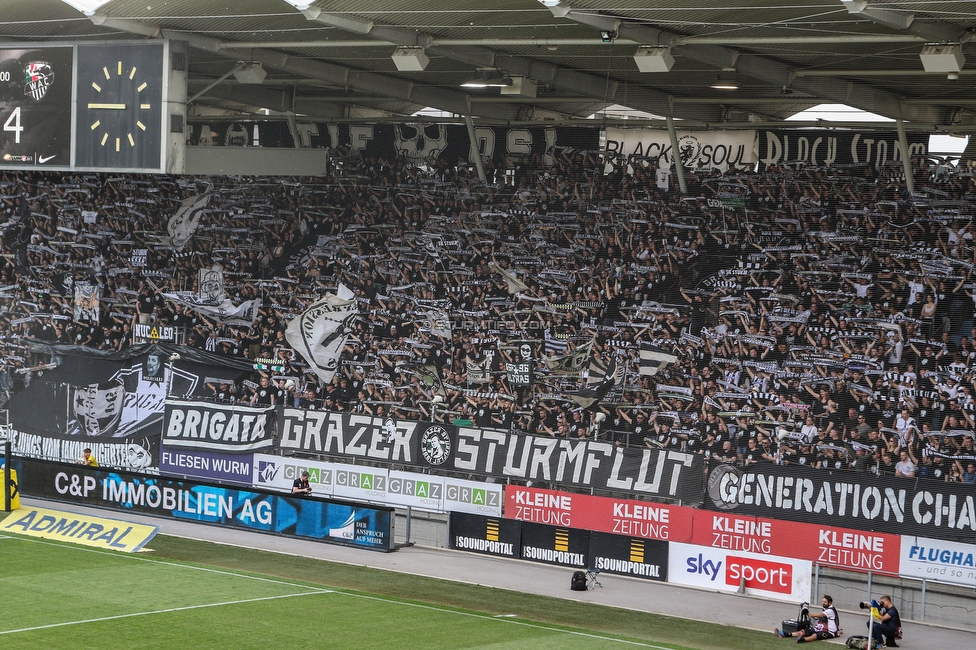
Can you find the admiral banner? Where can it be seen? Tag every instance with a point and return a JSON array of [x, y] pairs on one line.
[[582, 463], [828, 147], [939, 561], [324, 520], [698, 149], [851, 500], [216, 427], [108, 534]]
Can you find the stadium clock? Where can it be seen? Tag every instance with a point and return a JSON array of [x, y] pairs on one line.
[[119, 106], [35, 101]]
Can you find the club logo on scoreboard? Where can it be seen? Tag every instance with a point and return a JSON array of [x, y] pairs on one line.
[[38, 77]]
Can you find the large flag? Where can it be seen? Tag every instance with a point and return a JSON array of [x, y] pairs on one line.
[[320, 332], [439, 323], [478, 372], [225, 312], [87, 300], [430, 376], [514, 284], [602, 368], [653, 360], [210, 285], [555, 344], [184, 223], [570, 363], [594, 393]]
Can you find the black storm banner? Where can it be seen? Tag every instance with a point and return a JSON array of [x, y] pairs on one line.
[[565, 462], [217, 427], [845, 499], [827, 148]]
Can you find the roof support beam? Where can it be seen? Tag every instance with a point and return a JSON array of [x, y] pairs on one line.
[[591, 86], [930, 30], [368, 82], [762, 68]]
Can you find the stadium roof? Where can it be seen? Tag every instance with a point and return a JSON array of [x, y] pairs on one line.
[[334, 59]]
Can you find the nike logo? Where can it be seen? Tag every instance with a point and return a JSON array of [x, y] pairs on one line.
[[44, 159]]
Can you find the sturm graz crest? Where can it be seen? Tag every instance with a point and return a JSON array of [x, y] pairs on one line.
[[435, 445]]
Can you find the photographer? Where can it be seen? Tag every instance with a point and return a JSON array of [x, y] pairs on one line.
[[886, 625], [824, 625]]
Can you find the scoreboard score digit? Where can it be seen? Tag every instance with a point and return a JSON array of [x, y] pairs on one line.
[[35, 106]]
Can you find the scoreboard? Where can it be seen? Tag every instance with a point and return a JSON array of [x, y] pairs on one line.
[[117, 106], [35, 106]]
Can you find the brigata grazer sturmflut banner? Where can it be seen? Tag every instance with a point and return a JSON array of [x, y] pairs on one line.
[[218, 427], [581, 463], [851, 500]]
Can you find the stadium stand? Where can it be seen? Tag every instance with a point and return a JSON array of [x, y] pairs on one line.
[[796, 315]]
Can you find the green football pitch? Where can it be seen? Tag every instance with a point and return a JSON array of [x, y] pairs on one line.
[[188, 594]]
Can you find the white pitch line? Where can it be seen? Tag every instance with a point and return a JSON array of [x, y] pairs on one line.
[[510, 621], [162, 611], [136, 558]]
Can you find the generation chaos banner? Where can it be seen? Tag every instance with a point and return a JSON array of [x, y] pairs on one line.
[[851, 500]]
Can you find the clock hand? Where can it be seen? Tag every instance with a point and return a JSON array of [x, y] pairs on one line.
[[114, 107]]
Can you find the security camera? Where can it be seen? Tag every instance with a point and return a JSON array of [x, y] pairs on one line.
[[438, 399], [608, 36], [175, 356], [599, 417]]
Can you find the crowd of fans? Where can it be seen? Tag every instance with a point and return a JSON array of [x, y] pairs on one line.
[[820, 316]]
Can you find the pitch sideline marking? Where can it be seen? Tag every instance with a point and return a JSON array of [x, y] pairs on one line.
[[162, 611], [136, 558]]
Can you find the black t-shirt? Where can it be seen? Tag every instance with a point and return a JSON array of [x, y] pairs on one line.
[[895, 620]]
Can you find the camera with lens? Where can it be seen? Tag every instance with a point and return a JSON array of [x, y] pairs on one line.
[[868, 604], [804, 610]]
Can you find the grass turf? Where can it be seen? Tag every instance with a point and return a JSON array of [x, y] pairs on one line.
[[193, 594]]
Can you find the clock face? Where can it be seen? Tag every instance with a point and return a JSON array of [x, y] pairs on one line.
[[119, 109]]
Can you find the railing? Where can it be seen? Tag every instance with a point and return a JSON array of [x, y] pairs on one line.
[[917, 599]]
